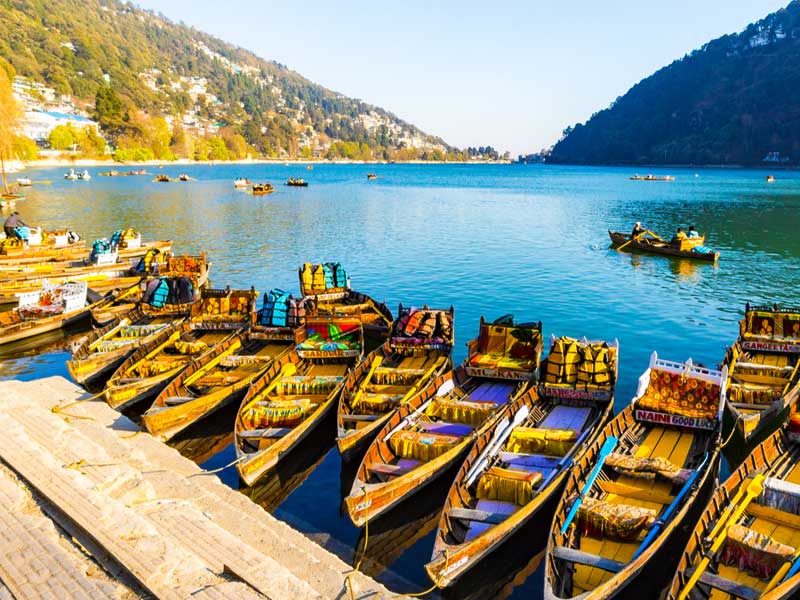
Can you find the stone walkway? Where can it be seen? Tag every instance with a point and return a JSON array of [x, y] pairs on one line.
[[91, 509]]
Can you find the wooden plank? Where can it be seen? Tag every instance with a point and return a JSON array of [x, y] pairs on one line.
[[773, 514], [647, 494], [266, 433], [175, 400], [590, 560], [481, 516], [385, 469], [347, 418], [733, 588]]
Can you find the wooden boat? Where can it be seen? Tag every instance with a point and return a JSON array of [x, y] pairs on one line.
[[632, 494], [296, 182], [517, 468], [405, 364], [652, 178], [763, 378], [220, 377], [658, 246], [99, 282], [261, 189], [745, 544], [371, 176], [326, 289], [51, 308], [241, 183], [183, 177], [218, 315], [770, 179], [196, 268], [161, 178], [104, 349], [295, 395], [434, 430], [22, 254]]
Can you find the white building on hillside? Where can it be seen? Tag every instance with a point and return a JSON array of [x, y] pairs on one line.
[[37, 124]]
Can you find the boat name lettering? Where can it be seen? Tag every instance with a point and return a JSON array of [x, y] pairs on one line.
[[364, 505], [773, 346], [497, 373], [681, 421], [452, 567], [575, 394]]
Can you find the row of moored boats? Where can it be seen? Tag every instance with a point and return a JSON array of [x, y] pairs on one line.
[[633, 501]]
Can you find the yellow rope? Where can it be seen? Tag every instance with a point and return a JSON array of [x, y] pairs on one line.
[[60, 410], [222, 468], [730, 435]]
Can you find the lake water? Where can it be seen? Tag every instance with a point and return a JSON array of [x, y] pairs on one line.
[[488, 239]]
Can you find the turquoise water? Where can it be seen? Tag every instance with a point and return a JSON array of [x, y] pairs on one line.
[[488, 239]]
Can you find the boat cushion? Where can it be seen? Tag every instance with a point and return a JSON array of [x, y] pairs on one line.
[[192, 348], [647, 468], [508, 485], [539, 440], [281, 413], [456, 429], [677, 394], [460, 411], [377, 404], [566, 417], [622, 522], [754, 552], [496, 392], [781, 495], [151, 368], [509, 347], [330, 336], [315, 385], [419, 445]]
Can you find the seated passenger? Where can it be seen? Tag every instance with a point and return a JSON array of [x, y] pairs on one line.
[[637, 230], [693, 233], [679, 237]]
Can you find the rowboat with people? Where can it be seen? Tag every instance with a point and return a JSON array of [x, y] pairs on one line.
[[326, 289], [219, 315], [241, 183], [763, 378], [433, 431], [296, 395], [647, 241], [517, 468], [296, 182], [633, 494], [746, 543], [261, 189], [417, 352], [638, 177]]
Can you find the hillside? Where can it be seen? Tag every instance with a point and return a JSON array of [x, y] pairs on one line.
[[734, 101], [146, 67]]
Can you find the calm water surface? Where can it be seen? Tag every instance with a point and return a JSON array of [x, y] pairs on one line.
[[490, 240]]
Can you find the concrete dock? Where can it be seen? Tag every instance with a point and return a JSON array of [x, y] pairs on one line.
[[92, 508]]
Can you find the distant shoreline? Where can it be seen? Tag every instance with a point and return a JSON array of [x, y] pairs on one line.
[[121, 166]]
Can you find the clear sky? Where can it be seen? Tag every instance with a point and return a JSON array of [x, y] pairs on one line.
[[509, 74]]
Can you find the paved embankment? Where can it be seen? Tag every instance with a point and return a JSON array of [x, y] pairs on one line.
[[89, 508]]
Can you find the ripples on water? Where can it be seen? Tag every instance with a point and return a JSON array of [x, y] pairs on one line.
[[491, 240]]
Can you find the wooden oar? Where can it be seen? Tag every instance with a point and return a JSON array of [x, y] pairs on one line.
[[754, 489], [653, 533], [42, 182], [637, 237], [123, 323], [376, 362], [425, 376], [606, 449], [501, 434]]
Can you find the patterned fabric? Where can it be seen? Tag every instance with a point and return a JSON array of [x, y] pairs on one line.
[[331, 337], [506, 347], [622, 522], [282, 413], [192, 348], [469, 413], [421, 446], [647, 468], [680, 395], [377, 404], [754, 552], [508, 485], [551, 442], [151, 368]]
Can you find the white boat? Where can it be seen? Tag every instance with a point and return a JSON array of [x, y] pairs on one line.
[[241, 183], [72, 175], [24, 181], [84, 175]]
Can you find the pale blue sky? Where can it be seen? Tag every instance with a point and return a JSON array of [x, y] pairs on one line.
[[508, 74]]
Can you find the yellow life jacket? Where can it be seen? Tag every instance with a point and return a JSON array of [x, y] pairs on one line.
[[318, 278], [594, 367], [562, 363], [306, 278]]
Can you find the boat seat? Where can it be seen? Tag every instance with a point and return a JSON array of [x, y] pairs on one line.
[[753, 551], [566, 417], [391, 470], [496, 392], [491, 507], [539, 461], [481, 516], [353, 418], [445, 428], [175, 400], [580, 557], [275, 432], [732, 588]]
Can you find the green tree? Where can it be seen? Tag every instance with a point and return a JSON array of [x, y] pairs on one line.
[[62, 137], [24, 148], [108, 109]]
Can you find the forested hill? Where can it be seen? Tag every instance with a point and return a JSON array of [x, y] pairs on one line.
[[164, 69], [733, 101]]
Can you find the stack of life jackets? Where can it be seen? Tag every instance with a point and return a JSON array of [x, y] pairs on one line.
[[121, 235], [571, 362], [101, 246], [169, 290], [147, 263], [281, 310], [318, 278], [422, 323]]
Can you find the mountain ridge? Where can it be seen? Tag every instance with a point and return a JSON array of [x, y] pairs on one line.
[[734, 101]]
